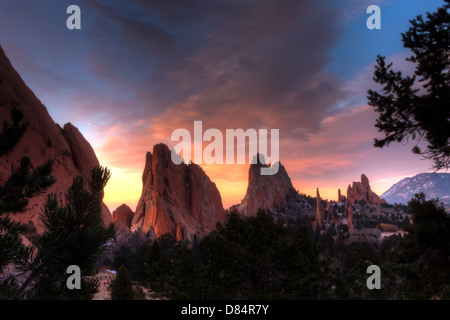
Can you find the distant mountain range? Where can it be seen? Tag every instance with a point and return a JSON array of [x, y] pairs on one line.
[[434, 185]]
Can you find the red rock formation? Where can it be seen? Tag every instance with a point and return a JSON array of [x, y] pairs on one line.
[[320, 211], [341, 198], [83, 155], [386, 227], [123, 215], [361, 191], [349, 210], [44, 139], [265, 191], [330, 211], [176, 199]]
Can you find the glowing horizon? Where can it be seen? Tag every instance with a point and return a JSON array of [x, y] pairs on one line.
[[232, 192], [232, 181]]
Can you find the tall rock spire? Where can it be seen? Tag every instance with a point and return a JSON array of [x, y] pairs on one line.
[[265, 191], [349, 209], [177, 199], [341, 197], [320, 211]]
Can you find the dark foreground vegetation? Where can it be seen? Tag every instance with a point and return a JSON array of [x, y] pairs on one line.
[[257, 258]]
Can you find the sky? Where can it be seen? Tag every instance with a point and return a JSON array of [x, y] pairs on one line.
[[138, 70]]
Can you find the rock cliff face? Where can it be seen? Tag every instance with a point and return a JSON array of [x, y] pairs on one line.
[[44, 139], [123, 216], [349, 209], [320, 210], [273, 192], [265, 191], [361, 191], [176, 199]]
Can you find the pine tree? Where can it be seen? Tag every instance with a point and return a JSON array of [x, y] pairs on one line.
[[420, 258], [23, 184], [157, 268], [121, 286], [74, 234], [406, 113], [12, 133]]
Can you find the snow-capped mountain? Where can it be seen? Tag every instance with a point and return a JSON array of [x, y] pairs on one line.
[[434, 185]]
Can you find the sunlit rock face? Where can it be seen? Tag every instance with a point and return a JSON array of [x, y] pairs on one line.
[[123, 216], [265, 191], [362, 191], [177, 199]]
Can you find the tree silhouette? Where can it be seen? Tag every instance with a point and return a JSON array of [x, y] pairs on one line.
[[74, 234], [23, 184], [407, 112], [420, 259], [121, 286]]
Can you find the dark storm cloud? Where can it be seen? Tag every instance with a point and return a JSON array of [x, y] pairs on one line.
[[259, 61], [137, 70]]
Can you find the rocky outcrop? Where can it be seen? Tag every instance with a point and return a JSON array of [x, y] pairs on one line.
[[349, 210], [361, 191], [274, 193], [330, 211], [265, 191], [320, 211], [43, 140], [83, 156], [123, 216], [386, 227], [341, 197], [177, 199]]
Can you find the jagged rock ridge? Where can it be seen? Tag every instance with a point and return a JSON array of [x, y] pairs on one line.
[[362, 191], [44, 139]]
